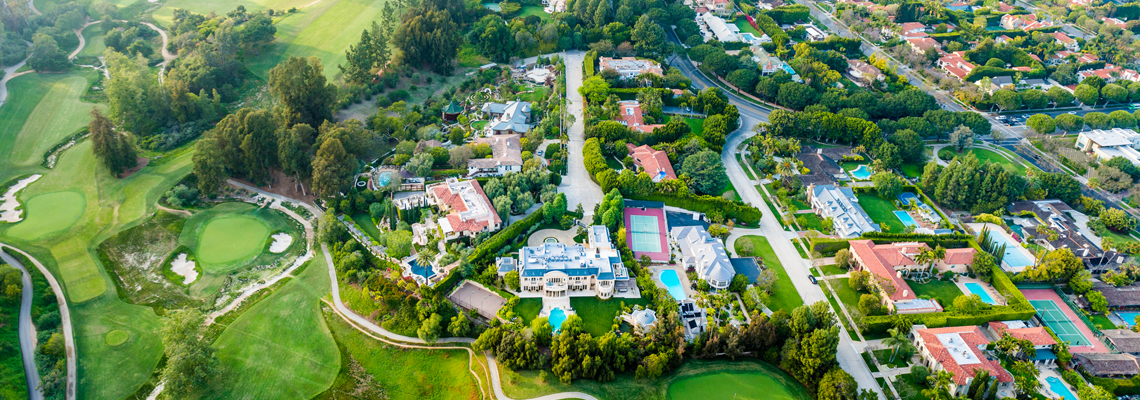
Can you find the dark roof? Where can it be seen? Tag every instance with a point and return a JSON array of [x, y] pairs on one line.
[[746, 266], [453, 108], [644, 204], [1124, 340], [1108, 364], [678, 219], [1124, 296]]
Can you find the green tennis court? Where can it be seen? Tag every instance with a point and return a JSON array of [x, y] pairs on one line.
[[1051, 314], [646, 236]]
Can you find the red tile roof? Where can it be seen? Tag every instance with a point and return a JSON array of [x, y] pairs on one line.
[[960, 256], [973, 337], [1037, 334], [654, 161], [455, 203], [632, 115], [881, 260], [1063, 38]]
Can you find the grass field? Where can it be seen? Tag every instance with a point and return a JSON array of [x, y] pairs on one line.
[[528, 309], [732, 386], [846, 294], [912, 169], [597, 315], [884, 357], [833, 270], [94, 37], [230, 238], [696, 125], [364, 221], [534, 10], [281, 347], [945, 292], [525, 384], [1102, 322], [746, 27], [881, 212], [810, 222], [48, 213], [985, 156], [784, 294], [222, 7], [1117, 236], [41, 110]]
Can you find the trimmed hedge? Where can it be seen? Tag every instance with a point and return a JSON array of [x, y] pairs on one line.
[[741, 212], [983, 71], [588, 67], [772, 29], [490, 246], [955, 240], [1018, 309], [1119, 387]]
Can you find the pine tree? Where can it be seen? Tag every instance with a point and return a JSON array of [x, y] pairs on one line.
[[113, 148]]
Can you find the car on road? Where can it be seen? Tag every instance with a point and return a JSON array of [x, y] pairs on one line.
[[1071, 113], [812, 279]]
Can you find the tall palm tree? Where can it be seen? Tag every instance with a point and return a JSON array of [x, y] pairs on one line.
[[937, 254], [924, 258], [940, 382], [898, 341], [786, 169]]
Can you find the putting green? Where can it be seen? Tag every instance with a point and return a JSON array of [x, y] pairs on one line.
[[116, 337], [48, 213], [230, 238], [732, 385]]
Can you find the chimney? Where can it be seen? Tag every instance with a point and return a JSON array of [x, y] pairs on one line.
[[905, 292]]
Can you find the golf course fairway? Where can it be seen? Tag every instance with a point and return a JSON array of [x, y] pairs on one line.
[[753, 385], [48, 213], [230, 238]]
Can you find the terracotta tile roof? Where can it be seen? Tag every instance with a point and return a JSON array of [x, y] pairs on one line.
[[455, 203], [1036, 334], [960, 256], [1063, 38], [881, 260], [973, 337], [654, 162], [912, 26], [923, 43]]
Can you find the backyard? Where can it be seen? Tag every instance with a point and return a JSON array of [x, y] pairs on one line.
[[943, 291], [986, 156], [784, 294], [882, 212], [598, 315], [811, 222]]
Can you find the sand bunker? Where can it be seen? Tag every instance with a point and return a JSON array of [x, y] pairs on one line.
[[184, 268], [8, 209], [281, 241]]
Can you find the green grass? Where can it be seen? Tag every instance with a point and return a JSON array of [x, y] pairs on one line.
[[539, 94], [94, 37], [1117, 236], [810, 222], [528, 309], [986, 156], [41, 110], [912, 169], [47, 214], [833, 270], [222, 7], [745, 27], [870, 364], [696, 125], [598, 315], [881, 212], [116, 337], [526, 384], [1102, 322], [784, 294], [281, 347], [884, 357], [730, 386], [945, 292], [846, 294], [231, 238], [371, 369], [364, 221], [747, 168], [534, 10]]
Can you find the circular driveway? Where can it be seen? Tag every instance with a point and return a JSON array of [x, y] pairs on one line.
[[566, 236]]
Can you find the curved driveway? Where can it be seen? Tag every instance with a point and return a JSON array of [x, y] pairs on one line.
[[578, 186]]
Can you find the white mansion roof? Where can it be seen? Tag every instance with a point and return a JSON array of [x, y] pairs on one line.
[[841, 204], [705, 252], [597, 257]]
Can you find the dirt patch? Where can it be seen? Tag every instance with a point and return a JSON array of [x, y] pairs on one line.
[[285, 185], [140, 163]]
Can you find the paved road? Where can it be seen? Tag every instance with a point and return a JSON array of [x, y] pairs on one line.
[[65, 316], [27, 331], [577, 185], [167, 56]]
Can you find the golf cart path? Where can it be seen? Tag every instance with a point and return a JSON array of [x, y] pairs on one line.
[[10, 73], [367, 326], [82, 40], [32, 5], [27, 331], [65, 316]]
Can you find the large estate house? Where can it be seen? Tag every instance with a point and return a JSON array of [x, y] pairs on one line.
[[705, 254], [959, 350], [889, 263], [512, 118], [629, 67], [1105, 144], [842, 206], [466, 210], [506, 156], [557, 270]]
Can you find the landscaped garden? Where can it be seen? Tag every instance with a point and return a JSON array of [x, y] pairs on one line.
[[784, 294], [943, 291], [882, 212], [811, 222], [984, 155]]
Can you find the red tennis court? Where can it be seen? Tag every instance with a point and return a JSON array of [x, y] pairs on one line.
[[646, 232]]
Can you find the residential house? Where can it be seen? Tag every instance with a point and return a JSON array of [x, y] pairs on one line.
[[629, 67], [716, 28], [632, 117], [1054, 215], [814, 34], [888, 263], [1107, 365], [559, 270], [957, 260], [1023, 22], [1065, 56], [956, 64], [653, 162], [1066, 41], [960, 6], [705, 254], [1127, 296], [1115, 142], [512, 118], [693, 319], [1110, 73], [769, 4], [995, 83], [959, 350], [465, 210], [1114, 22], [1003, 39], [767, 63], [863, 71], [921, 44], [907, 29], [722, 8], [1123, 340], [842, 206], [506, 156], [1037, 335], [641, 319]]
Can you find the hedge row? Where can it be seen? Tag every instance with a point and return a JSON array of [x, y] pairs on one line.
[[490, 246], [631, 94], [772, 29], [828, 247], [951, 241], [741, 212], [983, 71], [1018, 309], [1119, 387], [588, 66]]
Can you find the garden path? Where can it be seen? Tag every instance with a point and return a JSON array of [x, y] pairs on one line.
[[565, 237], [64, 313]]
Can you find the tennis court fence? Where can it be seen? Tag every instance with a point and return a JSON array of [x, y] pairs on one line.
[[1077, 310]]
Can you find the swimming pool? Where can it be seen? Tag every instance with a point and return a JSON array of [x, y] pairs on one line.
[[905, 218], [424, 271], [1060, 389], [980, 291], [671, 281], [384, 178], [556, 318], [1014, 255], [862, 173], [1129, 317]]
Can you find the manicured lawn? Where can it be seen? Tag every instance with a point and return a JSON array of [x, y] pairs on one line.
[[833, 270], [848, 296], [850, 165], [746, 27], [614, 164], [222, 7], [598, 315], [908, 388], [41, 110], [364, 221], [884, 357], [780, 385], [985, 156], [945, 292], [281, 347], [881, 212], [696, 125], [912, 169], [784, 294], [534, 10], [730, 386], [747, 169], [1102, 322], [1117, 236], [230, 238], [810, 222], [95, 46], [48, 213], [528, 309], [540, 93]]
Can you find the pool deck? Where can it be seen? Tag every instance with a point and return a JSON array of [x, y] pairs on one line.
[[997, 229], [686, 285], [1049, 294], [963, 280], [1051, 372]]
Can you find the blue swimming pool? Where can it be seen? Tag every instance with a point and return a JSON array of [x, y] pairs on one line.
[[384, 178], [1129, 317], [862, 173], [980, 291], [1060, 389], [1014, 255], [424, 271], [671, 281], [557, 317], [906, 218]]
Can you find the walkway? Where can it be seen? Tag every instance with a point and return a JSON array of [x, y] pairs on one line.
[[27, 331], [65, 316], [578, 186]]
